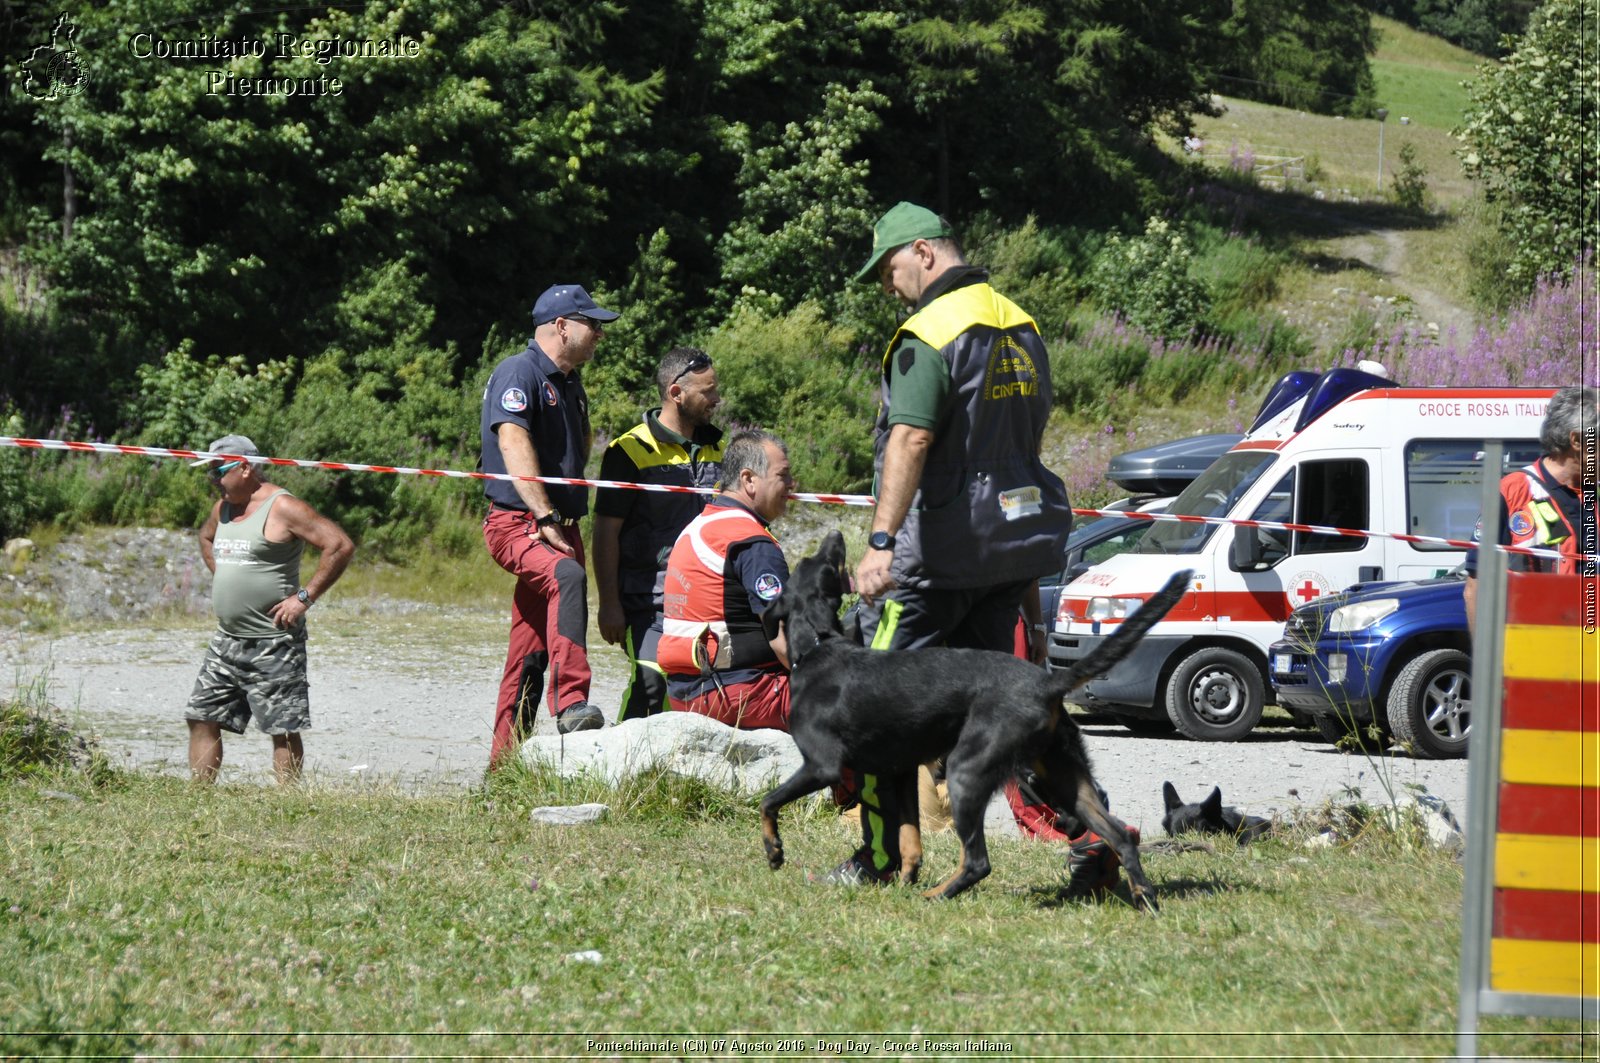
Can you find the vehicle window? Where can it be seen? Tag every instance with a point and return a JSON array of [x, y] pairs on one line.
[[1277, 506], [1333, 493], [1442, 485], [1212, 494], [1117, 544]]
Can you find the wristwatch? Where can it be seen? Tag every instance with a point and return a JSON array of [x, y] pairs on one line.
[[303, 596], [881, 540], [552, 517]]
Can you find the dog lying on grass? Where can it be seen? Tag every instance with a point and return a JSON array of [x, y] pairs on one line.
[[1210, 816], [987, 714]]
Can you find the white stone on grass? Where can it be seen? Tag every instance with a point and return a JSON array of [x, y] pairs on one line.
[[746, 762]]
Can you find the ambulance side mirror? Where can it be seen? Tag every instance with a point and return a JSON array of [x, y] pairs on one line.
[[1246, 555]]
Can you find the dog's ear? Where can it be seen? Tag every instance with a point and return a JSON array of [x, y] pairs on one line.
[[775, 614], [1169, 794], [1212, 805], [832, 550]]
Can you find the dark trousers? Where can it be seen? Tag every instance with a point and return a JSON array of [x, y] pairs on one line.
[[646, 694], [983, 618]]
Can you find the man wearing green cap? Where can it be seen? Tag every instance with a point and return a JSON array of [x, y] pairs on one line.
[[967, 516]]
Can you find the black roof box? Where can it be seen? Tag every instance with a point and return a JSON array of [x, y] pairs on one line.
[[1167, 468]]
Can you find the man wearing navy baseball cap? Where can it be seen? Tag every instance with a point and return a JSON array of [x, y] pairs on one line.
[[536, 423]]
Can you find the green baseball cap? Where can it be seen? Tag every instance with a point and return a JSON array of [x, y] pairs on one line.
[[901, 224]]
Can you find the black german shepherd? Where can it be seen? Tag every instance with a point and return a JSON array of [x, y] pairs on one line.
[[987, 714]]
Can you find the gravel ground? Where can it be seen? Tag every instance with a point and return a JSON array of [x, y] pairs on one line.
[[404, 693]]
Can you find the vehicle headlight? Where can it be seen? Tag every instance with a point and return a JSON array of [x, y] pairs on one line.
[[1361, 615], [1112, 608]]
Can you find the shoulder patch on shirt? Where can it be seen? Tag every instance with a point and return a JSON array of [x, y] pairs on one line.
[[768, 586], [908, 355], [513, 400], [1521, 526]]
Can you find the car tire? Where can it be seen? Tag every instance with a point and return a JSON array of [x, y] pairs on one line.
[[1144, 725], [1216, 695], [1430, 704]]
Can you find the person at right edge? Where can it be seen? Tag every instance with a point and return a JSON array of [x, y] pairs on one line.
[[1551, 503], [967, 516]]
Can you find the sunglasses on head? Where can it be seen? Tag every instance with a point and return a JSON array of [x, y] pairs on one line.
[[217, 472], [695, 364]]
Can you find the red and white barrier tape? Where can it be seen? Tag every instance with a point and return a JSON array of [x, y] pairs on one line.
[[400, 470], [831, 499]]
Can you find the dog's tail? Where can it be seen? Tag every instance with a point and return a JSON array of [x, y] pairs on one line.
[[1127, 635]]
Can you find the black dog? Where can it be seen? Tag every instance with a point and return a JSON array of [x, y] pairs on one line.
[[987, 714], [1210, 816]]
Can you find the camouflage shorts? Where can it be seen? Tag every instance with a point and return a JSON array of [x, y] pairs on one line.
[[264, 678]]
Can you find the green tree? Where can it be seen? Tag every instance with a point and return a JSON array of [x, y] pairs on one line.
[[1529, 136], [1307, 54]]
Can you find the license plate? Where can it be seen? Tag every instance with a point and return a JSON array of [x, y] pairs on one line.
[[1280, 663]]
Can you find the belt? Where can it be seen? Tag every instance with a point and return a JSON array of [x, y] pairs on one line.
[[562, 523]]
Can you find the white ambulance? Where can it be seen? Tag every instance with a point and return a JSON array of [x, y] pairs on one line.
[[1343, 449]]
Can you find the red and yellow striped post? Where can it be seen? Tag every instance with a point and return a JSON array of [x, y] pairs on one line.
[[1533, 893], [1546, 932]]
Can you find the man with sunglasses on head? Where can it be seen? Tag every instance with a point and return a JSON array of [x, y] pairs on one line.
[[675, 444], [536, 423], [256, 663]]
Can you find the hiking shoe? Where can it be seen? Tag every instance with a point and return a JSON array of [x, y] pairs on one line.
[[857, 870], [579, 716], [1092, 864]]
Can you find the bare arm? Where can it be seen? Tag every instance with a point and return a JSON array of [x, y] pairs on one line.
[[606, 553], [903, 462], [208, 537], [516, 448], [1470, 595], [312, 528]]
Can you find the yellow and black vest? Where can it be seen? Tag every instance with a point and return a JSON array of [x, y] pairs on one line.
[[656, 518], [987, 510]]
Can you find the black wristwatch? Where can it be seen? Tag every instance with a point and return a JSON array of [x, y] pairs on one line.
[[552, 517], [303, 596], [881, 540]]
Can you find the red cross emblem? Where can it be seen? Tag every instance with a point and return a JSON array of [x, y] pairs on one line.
[[1307, 591]]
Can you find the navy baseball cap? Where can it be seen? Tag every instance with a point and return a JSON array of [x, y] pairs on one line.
[[568, 300]]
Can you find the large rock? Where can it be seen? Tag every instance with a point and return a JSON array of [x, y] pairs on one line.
[[747, 762]]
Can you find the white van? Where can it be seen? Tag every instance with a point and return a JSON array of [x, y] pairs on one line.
[[1343, 449]]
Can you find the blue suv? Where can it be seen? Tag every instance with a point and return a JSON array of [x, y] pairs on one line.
[[1393, 654]]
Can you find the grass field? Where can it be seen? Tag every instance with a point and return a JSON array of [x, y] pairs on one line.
[[1418, 80], [152, 917], [1420, 77]]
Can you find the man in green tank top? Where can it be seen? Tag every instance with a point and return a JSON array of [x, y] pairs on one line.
[[256, 663]]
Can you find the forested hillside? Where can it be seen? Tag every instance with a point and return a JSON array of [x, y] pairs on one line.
[[323, 225]]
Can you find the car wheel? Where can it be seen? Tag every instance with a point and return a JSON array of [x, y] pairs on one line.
[[1430, 704], [1144, 725], [1215, 695]]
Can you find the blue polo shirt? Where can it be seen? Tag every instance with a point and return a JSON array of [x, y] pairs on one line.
[[528, 390]]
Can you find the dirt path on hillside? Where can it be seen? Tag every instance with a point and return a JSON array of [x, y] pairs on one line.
[[1386, 253]]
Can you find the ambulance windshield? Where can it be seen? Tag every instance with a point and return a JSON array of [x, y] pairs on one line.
[[1213, 494]]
